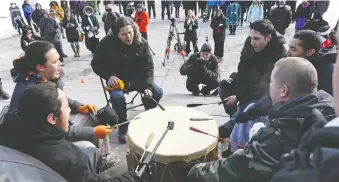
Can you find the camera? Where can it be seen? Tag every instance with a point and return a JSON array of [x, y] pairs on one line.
[[173, 21], [204, 17]]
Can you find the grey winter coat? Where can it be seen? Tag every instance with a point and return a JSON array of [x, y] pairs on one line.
[[50, 30]]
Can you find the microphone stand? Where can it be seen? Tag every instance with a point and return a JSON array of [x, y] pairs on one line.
[[147, 162]]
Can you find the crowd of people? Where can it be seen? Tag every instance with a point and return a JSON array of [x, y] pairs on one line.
[[282, 102]]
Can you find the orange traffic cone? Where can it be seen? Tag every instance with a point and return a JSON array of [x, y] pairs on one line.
[[82, 80]]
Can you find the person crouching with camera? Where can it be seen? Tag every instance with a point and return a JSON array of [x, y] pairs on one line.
[[201, 68]]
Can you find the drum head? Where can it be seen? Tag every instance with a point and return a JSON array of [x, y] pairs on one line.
[[180, 144]]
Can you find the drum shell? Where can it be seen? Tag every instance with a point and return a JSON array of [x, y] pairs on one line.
[[171, 172]]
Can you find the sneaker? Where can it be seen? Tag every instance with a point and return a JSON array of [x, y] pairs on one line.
[[205, 90], [108, 162], [122, 138]]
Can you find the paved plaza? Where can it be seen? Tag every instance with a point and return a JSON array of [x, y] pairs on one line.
[[82, 84]]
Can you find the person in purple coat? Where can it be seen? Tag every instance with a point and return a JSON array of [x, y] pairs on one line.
[[302, 14], [74, 10]]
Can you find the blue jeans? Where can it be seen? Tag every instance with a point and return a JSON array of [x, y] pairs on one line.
[[119, 104]]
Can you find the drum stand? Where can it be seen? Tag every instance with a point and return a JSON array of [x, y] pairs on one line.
[[147, 162], [169, 40]]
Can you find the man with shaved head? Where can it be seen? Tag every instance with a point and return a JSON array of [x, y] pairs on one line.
[[293, 89]]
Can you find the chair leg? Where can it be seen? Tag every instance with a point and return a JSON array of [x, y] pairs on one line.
[[132, 101]]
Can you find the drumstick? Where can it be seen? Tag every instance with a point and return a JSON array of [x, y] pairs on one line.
[[196, 105], [149, 140], [225, 140], [117, 125], [161, 107]]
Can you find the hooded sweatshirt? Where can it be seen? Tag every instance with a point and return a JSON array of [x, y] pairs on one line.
[[49, 29]]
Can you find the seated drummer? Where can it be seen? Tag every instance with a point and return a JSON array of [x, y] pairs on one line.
[[261, 50], [294, 94], [41, 64], [201, 68], [306, 44], [125, 56], [39, 129]]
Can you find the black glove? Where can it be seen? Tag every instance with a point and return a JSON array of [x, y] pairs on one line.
[[224, 132], [199, 63], [187, 168]]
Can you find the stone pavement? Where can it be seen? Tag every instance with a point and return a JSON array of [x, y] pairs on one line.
[[168, 77]]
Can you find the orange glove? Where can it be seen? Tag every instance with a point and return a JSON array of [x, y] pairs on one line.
[[102, 131], [87, 109], [120, 86]]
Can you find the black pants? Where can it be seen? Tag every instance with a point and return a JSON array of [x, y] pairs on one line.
[[241, 20], [188, 46], [177, 10], [163, 6], [233, 28], [59, 50], [151, 6], [29, 20], [144, 35], [219, 47], [192, 84]]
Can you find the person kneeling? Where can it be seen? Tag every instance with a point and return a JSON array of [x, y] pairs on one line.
[[293, 90], [201, 68], [39, 128]]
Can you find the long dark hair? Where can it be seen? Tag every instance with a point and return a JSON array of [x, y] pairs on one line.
[[222, 14], [34, 55], [125, 21]]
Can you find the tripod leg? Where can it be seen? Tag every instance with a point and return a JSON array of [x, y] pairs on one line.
[[179, 42], [168, 47]]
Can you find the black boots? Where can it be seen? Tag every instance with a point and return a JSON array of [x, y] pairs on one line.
[[3, 95]]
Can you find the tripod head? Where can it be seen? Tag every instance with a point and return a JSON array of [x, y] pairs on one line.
[[172, 21]]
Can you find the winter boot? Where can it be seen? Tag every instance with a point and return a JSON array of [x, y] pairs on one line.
[[3, 95], [78, 50]]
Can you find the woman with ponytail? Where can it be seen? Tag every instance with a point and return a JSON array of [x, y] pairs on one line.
[[41, 63]]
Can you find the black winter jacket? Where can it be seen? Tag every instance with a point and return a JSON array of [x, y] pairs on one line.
[[133, 64], [196, 67], [191, 30], [282, 132], [281, 17], [47, 144], [315, 26], [324, 64], [254, 69], [218, 31]]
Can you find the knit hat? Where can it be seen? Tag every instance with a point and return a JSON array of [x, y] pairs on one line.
[[206, 48], [325, 30], [140, 6], [317, 16]]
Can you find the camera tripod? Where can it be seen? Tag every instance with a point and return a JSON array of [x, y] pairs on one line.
[[173, 33]]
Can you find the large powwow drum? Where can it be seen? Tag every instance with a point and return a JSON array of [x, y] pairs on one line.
[[180, 145]]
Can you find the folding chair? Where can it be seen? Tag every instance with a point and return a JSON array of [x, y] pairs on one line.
[[108, 100]]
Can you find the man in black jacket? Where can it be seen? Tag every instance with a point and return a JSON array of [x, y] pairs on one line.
[[306, 44], [281, 17], [293, 90], [261, 50], [201, 68], [125, 56], [39, 128]]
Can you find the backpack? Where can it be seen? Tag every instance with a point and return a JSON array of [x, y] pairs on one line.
[[317, 157]]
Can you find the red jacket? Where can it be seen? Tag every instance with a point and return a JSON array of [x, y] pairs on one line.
[[142, 21]]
